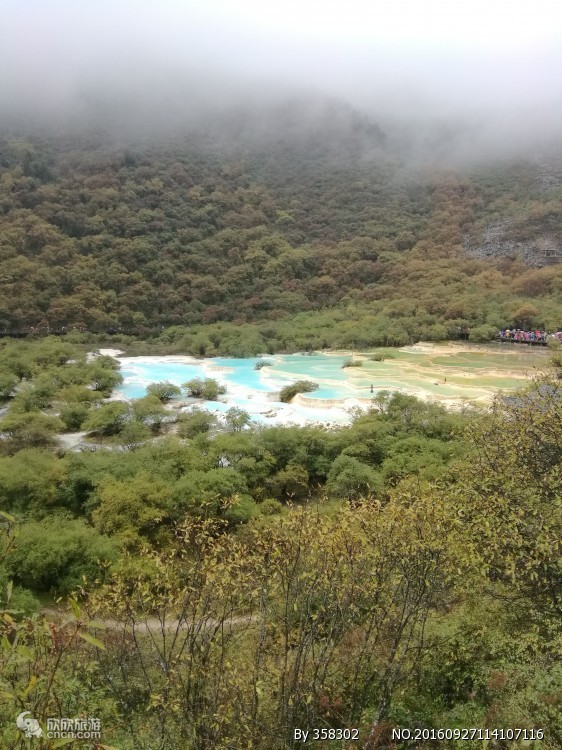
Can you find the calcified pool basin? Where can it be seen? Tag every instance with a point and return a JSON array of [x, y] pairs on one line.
[[448, 373]]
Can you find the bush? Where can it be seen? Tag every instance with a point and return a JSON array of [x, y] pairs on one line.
[[23, 601], [19, 600], [202, 492], [350, 479], [132, 435], [483, 333], [32, 429], [208, 389], [108, 419], [150, 411], [8, 384], [195, 422], [352, 363], [73, 416], [241, 511], [236, 419], [103, 378], [56, 553], [262, 363], [164, 391], [288, 393], [271, 507], [381, 355]]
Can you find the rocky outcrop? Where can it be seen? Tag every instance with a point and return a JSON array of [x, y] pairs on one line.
[[497, 242]]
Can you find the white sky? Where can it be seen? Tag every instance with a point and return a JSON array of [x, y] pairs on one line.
[[426, 23], [399, 52], [468, 24]]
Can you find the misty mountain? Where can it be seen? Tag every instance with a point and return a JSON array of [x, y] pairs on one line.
[[246, 214]]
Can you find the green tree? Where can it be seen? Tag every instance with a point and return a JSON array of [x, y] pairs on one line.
[[33, 482], [150, 411], [508, 490], [132, 509], [163, 391], [208, 388], [207, 492], [351, 479], [287, 394], [236, 419], [56, 553], [291, 482], [103, 379], [74, 415], [132, 435], [526, 316], [30, 429], [8, 383], [107, 419], [195, 422], [483, 333]]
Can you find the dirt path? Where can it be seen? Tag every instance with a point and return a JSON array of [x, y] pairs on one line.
[[154, 625]]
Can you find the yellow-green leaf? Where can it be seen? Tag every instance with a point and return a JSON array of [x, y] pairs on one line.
[[93, 641], [30, 685], [75, 608]]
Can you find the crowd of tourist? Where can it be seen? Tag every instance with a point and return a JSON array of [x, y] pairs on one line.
[[516, 334]]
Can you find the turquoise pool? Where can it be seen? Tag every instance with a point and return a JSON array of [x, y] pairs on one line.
[[447, 373], [248, 388], [139, 372]]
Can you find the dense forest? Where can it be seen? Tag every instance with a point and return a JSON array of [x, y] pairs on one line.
[[223, 585], [198, 583], [104, 235]]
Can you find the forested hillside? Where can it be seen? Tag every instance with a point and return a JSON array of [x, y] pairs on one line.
[[256, 222], [243, 504], [223, 586]]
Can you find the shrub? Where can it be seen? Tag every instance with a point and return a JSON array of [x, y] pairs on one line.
[[262, 363], [203, 492], [55, 553], [351, 479], [74, 415], [352, 363], [32, 429], [195, 422], [150, 411], [381, 355], [241, 511], [8, 383], [236, 419], [271, 507], [288, 393], [108, 419], [208, 389], [482, 333], [164, 391]]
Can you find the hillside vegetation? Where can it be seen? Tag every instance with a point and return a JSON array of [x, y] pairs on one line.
[[222, 590], [198, 582], [99, 236]]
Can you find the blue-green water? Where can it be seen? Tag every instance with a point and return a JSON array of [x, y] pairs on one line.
[[440, 372], [138, 375], [139, 372], [247, 387], [244, 372]]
